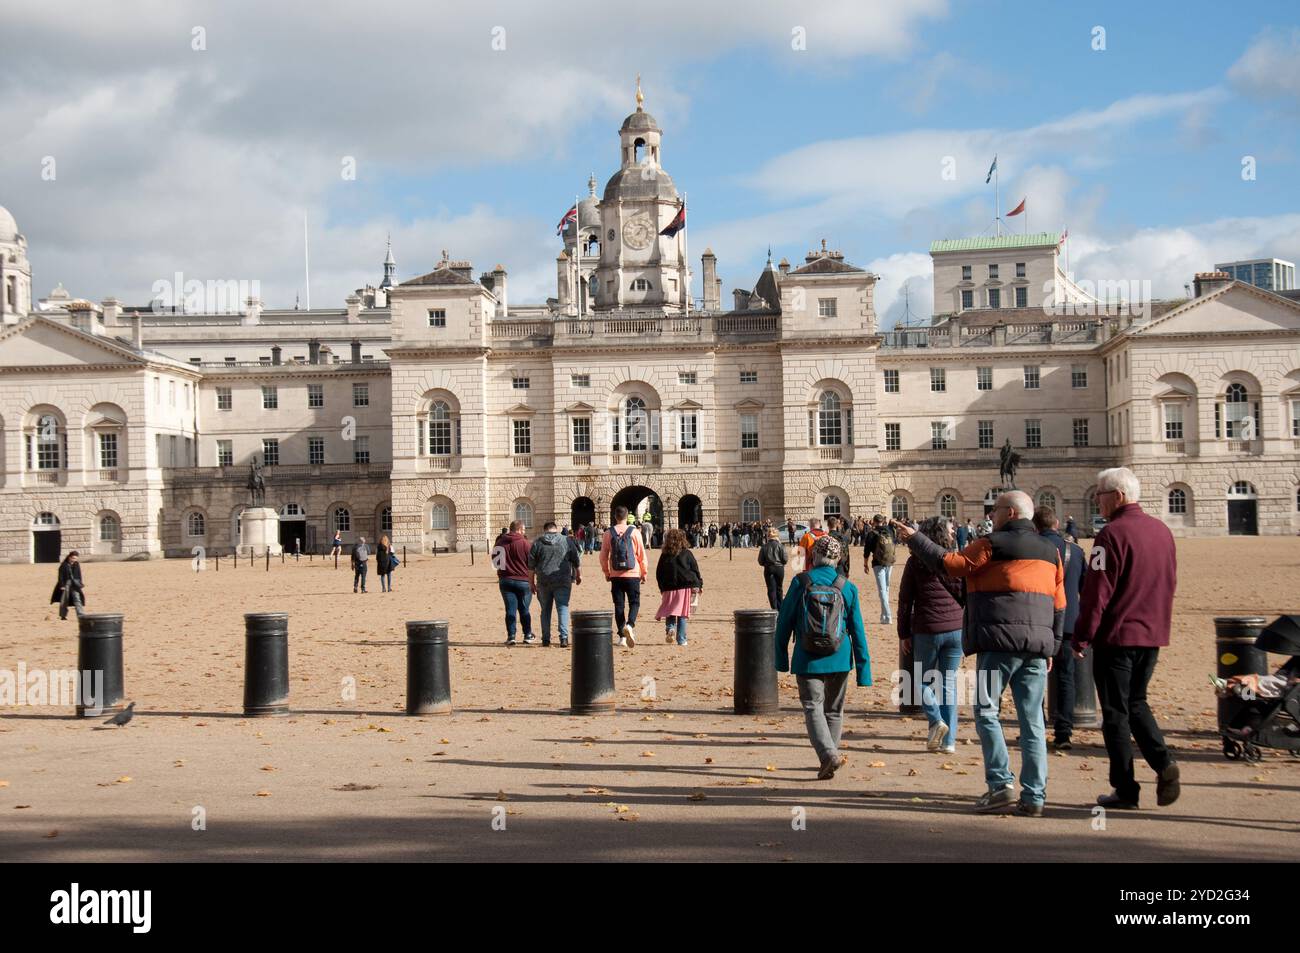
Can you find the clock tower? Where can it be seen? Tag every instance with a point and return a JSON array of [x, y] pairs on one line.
[[638, 267]]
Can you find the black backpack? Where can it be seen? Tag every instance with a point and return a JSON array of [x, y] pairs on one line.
[[622, 551], [821, 621]]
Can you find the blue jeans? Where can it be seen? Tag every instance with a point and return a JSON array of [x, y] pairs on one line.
[[559, 595], [677, 622], [1028, 680], [882, 574], [517, 597], [939, 652]]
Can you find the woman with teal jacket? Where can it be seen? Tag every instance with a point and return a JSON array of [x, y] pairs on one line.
[[823, 679]]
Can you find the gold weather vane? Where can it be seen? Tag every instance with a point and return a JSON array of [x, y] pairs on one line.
[[640, 98]]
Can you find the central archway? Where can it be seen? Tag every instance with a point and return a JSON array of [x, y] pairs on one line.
[[581, 512], [689, 510], [639, 500]]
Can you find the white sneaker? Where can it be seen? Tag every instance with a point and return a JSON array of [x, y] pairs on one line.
[[630, 636], [938, 731], [949, 749], [622, 643]]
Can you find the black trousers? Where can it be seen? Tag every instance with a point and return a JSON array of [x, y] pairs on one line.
[[774, 578], [1122, 675], [1063, 678]]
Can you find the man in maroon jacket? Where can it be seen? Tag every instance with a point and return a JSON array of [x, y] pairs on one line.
[[1124, 613], [510, 559]]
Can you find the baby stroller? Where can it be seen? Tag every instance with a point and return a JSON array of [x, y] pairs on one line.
[[1270, 722]]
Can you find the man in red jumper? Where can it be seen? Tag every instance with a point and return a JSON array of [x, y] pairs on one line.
[[1124, 613], [510, 560]]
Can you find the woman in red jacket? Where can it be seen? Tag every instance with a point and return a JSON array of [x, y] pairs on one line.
[[930, 616]]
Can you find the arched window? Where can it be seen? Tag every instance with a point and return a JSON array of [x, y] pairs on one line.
[[1047, 499], [342, 519], [1177, 502], [110, 530], [439, 516], [1242, 490], [386, 520], [47, 445], [46, 519], [636, 424], [830, 420], [440, 430], [948, 506], [832, 505], [195, 525], [1239, 421], [524, 513], [750, 510], [898, 507]]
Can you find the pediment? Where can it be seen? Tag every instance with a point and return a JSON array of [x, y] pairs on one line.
[[39, 342], [1236, 309]]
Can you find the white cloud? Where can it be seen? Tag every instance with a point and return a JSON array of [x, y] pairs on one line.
[[1270, 67]]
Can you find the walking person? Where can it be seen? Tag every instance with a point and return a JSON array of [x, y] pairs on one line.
[[622, 560], [930, 618], [510, 559], [554, 568], [713, 535], [838, 527], [965, 533], [772, 557], [806, 542], [1125, 612], [789, 530], [1062, 675], [878, 549], [360, 563], [69, 589], [337, 548], [823, 615], [678, 576], [385, 563], [1014, 617]]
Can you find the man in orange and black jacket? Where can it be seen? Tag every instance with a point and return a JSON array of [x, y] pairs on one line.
[[1013, 624]]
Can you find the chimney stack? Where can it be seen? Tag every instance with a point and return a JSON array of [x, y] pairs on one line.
[[137, 331], [252, 311], [275, 354], [313, 351], [356, 351], [354, 309], [712, 286], [1207, 282]]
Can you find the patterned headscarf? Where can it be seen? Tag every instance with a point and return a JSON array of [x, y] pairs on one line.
[[827, 547]]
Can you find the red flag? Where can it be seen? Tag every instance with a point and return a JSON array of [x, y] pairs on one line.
[[677, 224], [1019, 208], [1064, 236], [570, 216]]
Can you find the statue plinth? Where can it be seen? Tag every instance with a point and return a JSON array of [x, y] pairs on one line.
[[259, 529]]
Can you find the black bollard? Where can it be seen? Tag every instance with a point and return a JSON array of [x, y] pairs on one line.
[[591, 689], [754, 678], [99, 658], [266, 664], [428, 672], [471, 554], [1235, 654], [1087, 714]]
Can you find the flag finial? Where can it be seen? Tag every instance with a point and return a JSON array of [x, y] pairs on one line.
[[640, 96]]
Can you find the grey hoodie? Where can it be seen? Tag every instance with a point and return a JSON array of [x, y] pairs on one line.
[[554, 558]]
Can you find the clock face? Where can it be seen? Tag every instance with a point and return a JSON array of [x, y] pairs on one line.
[[638, 233], [611, 234]]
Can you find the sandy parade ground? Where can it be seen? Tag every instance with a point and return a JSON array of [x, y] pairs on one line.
[[676, 776]]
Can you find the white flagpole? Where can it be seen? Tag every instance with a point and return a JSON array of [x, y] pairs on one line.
[[997, 202], [686, 253], [306, 260], [577, 257]]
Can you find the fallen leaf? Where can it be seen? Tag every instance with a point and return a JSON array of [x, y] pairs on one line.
[[124, 779], [263, 794], [876, 764], [502, 796], [52, 834], [770, 767], [353, 786], [696, 796]]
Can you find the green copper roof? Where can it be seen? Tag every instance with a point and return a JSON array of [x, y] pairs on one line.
[[1036, 240]]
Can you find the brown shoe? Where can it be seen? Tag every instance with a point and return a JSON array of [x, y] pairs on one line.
[[1167, 786], [830, 766]]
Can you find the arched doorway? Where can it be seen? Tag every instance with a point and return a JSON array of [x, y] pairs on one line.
[[47, 538], [581, 512], [1243, 513], [640, 500], [991, 500], [689, 511]]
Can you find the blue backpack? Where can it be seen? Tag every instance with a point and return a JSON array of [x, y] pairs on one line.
[[622, 551], [821, 620]]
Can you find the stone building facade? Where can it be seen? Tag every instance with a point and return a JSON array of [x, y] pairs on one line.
[[436, 411]]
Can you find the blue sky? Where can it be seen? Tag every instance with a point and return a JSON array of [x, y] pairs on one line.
[[206, 161]]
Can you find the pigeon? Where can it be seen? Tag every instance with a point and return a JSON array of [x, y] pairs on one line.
[[123, 716]]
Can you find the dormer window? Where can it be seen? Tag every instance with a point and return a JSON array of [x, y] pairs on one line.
[[640, 284]]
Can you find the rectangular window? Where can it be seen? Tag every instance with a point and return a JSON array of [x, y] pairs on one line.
[[271, 452], [986, 435], [938, 380], [316, 450], [361, 450], [938, 435], [967, 299], [225, 453], [749, 377], [519, 383], [360, 395], [687, 377], [1022, 297], [1079, 376], [1174, 422], [965, 272], [196, 360], [315, 395], [1081, 431], [893, 436], [270, 398], [1033, 434], [995, 298], [688, 432], [580, 428], [1295, 418], [523, 436], [1031, 376], [224, 401], [171, 393], [983, 378], [993, 271], [826, 308], [579, 380], [749, 431], [437, 317], [891, 381], [230, 360], [108, 451], [1020, 269]]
